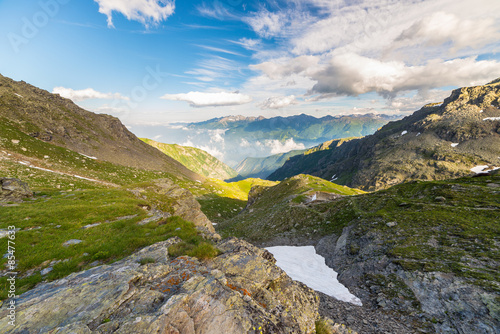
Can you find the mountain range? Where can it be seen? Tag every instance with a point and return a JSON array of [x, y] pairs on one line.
[[439, 141], [232, 139]]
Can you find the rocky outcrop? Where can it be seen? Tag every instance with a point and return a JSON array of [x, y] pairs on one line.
[[240, 291], [170, 199], [13, 190], [426, 301]]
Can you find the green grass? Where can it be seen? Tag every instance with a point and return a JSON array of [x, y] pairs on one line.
[[55, 217]]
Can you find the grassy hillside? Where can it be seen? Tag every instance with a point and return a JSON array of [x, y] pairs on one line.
[[440, 141], [280, 210], [195, 159]]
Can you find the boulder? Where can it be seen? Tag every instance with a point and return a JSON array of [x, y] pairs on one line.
[[240, 291], [13, 190]]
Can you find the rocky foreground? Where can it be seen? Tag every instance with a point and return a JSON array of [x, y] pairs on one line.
[[239, 291]]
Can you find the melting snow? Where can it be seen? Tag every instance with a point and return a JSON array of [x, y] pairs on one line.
[[481, 110], [334, 177], [491, 119], [94, 158], [481, 169], [454, 145], [404, 132], [313, 198], [304, 265], [418, 134], [18, 95]]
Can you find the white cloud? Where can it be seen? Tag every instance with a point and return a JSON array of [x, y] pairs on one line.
[[280, 68], [442, 27], [216, 136], [201, 99], [244, 143], [349, 48], [277, 102], [278, 147], [282, 23], [145, 11], [248, 43], [86, 94], [351, 74]]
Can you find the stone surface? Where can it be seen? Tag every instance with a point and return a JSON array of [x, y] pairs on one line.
[[71, 242], [240, 291], [409, 301], [13, 190], [170, 200]]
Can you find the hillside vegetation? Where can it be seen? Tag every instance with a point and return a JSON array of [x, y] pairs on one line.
[[195, 159]]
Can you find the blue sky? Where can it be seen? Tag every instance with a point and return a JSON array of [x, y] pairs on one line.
[[155, 62]]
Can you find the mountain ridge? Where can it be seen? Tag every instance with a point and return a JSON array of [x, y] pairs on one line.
[[436, 142], [51, 118]]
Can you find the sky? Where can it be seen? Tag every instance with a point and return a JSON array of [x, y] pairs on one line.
[[158, 62]]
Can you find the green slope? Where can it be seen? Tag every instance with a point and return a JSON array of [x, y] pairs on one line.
[[275, 211], [195, 159]]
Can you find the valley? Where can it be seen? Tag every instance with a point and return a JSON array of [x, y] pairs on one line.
[[114, 222]]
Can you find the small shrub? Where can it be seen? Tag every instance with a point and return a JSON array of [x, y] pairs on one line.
[[146, 260], [204, 251], [322, 327]]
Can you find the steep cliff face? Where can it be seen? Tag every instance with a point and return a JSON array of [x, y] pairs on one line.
[[240, 291], [435, 143], [56, 120]]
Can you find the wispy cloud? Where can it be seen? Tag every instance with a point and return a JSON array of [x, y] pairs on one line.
[[215, 10], [212, 48], [201, 99], [87, 94], [145, 11]]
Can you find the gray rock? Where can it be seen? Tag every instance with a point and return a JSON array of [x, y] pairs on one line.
[[240, 291], [46, 271], [71, 242], [13, 190]]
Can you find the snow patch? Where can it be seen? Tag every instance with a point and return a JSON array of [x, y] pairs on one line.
[[303, 264], [404, 132], [482, 169], [491, 119], [19, 95], [87, 156], [454, 144], [418, 134], [334, 177], [481, 110]]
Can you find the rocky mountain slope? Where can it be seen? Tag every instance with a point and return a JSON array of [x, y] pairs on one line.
[[422, 256], [195, 159], [440, 141], [263, 167], [56, 120]]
